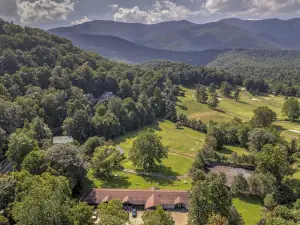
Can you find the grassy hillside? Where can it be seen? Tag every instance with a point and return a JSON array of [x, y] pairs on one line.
[[229, 109]]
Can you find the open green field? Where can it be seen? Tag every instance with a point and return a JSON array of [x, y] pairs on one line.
[[184, 141], [229, 109], [250, 209]]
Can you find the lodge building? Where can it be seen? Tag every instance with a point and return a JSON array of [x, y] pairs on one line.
[[140, 199]]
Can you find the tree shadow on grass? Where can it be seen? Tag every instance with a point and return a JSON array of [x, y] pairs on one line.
[[219, 110], [182, 107], [226, 151], [178, 100], [116, 182], [242, 102], [249, 199], [166, 171], [158, 181], [279, 128], [134, 133], [87, 185]]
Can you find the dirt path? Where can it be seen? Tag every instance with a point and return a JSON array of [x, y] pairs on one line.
[[182, 155]]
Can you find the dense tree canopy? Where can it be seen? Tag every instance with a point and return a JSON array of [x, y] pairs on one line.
[[207, 197], [46, 199], [67, 161]]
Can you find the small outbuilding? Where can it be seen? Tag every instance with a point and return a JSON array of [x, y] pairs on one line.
[[62, 140]]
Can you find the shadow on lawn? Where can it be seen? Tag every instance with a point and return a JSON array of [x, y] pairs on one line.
[[226, 151], [133, 134], [116, 182], [242, 102], [158, 181], [219, 110], [279, 128], [166, 171], [250, 200], [182, 107]]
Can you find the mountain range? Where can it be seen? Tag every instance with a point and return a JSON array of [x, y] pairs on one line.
[[197, 44]]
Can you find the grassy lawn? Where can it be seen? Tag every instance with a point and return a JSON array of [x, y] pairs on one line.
[[229, 108], [128, 180], [185, 141], [228, 150], [250, 209], [183, 145], [172, 166]]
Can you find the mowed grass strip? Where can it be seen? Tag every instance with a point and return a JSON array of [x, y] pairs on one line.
[[250, 208]]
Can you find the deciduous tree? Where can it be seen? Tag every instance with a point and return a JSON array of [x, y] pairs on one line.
[[201, 94], [207, 197], [105, 160], [7, 190], [159, 216], [66, 160], [35, 162], [291, 109], [272, 159], [146, 150], [19, 146], [263, 116], [112, 213]]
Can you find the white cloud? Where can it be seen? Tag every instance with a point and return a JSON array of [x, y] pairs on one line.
[[160, 11], [31, 12], [259, 8], [83, 20]]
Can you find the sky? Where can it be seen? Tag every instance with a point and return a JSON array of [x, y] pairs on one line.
[[47, 14]]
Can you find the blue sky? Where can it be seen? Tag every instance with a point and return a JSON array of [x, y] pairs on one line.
[[52, 13]]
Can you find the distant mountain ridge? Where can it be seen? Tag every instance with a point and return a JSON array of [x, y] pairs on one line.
[[184, 41], [122, 50], [188, 36]]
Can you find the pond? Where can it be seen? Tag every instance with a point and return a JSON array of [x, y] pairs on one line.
[[230, 172]]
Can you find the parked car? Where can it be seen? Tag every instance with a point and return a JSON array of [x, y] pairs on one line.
[[134, 213]]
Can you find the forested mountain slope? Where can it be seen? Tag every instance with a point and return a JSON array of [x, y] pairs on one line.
[[134, 32], [187, 36], [285, 33], [45, 76], [263, 40], [275, 65], [122, 50]]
